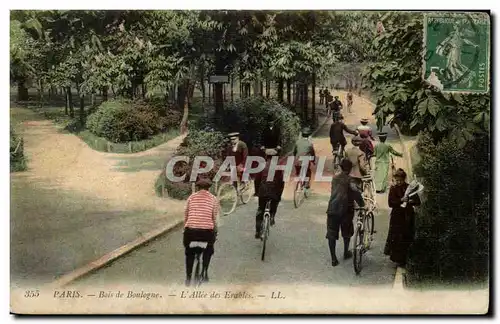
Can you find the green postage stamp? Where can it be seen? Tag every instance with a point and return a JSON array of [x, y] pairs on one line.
[[457, 51]]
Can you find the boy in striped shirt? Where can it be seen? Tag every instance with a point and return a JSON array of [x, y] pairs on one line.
[[200, 224]]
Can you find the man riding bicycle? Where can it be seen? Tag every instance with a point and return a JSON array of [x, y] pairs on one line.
[[337, 137], [200, 225], [304, 147], [239, 150], [336, 106], [271, 140], [271, 189], [349, 100]]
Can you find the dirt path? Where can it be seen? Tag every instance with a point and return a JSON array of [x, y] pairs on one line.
[[62, 160], [74, 204]]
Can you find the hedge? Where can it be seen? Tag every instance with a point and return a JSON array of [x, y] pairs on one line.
[[452, 226], [17, 158], [121, 120]]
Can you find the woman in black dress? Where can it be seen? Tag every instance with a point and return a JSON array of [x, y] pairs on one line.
[[402, 223]]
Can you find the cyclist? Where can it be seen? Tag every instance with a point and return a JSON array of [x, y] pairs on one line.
[[239, 150], [340, 212], [200, 224], [336, 106], [268, 190], [364, 129], [337, 137], [349, 100], [359, 163], [271, 140], [304, 147]]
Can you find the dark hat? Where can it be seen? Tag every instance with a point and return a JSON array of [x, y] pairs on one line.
[[204, 182], [235, 134], [400, 173], [382, 134], [364, 120]]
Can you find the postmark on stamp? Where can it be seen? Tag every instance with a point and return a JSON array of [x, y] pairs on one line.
[[457, 51]]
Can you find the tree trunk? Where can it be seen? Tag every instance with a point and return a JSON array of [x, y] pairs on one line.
[[297, 93], [202, 84], [289, 91], [185, 115], [70, 102], [261, 92], [113, 90], [280, 90], [144, 90], [22, 91], [105, 93], [313, 104], [40, 94], [232, 88], [268, 88], [181, 95], [306, 101], [209, 93], [66, 102], [224, 91], [92, 99], [82, 109]]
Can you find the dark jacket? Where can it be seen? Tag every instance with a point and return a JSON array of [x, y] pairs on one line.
[[270, 189], [337, 133], [271, 137], [343, 195]]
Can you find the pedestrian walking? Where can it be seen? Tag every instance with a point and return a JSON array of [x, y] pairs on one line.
[[382, 154]]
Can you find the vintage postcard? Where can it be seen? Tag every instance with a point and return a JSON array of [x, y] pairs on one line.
[[249, 162]]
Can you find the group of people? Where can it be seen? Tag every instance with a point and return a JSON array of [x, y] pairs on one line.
[[202, 209]]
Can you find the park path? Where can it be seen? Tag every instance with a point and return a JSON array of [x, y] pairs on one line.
[[75, 204], [299, 235]]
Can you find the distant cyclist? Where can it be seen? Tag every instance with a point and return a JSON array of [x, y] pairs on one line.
[[337, 137], [304, 147], [349, 100], [336, 106]]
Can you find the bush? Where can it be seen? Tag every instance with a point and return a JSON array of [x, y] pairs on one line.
[[123, 120], [17, 158], [250, 116], [452, 233]]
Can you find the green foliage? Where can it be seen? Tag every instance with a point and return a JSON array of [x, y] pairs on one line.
[[124, 120], [404, 98], [452, 228], [17, 158], [250, 116]]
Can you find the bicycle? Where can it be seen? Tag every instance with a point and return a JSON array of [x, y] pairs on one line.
[[199, 250], [300, 193], [363, 236], [266, 224], [337, 157], [230, 193]]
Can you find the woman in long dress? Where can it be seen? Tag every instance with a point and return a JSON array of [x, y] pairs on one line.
[[402, 223], [382, 154]]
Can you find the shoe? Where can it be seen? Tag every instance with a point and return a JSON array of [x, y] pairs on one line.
[[272, 221], [347, 255], [205, 277], [335, 263], [187, 282], [257, 235]]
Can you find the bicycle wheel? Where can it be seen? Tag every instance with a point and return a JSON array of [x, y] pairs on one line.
[[336, 163], [298, 194], [369, 229], [265, 235], [228, 198], [246, 191], [358, 249]]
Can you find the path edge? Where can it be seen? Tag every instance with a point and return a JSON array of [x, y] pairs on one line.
[[112, 256]]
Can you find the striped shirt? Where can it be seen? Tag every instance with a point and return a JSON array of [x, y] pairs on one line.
[[201, 211]]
